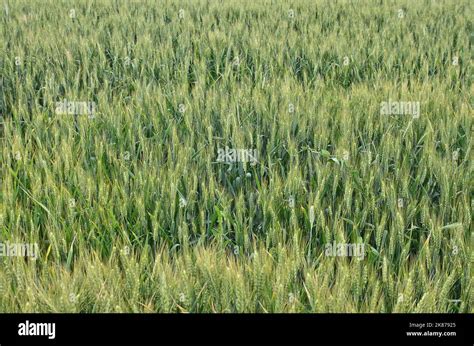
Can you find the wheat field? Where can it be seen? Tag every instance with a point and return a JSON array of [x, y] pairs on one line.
[[210, 156]]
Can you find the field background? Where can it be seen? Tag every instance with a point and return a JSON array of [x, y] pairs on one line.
[[133, 213]]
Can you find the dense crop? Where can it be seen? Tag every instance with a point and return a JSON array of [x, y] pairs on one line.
[[133, 210]]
